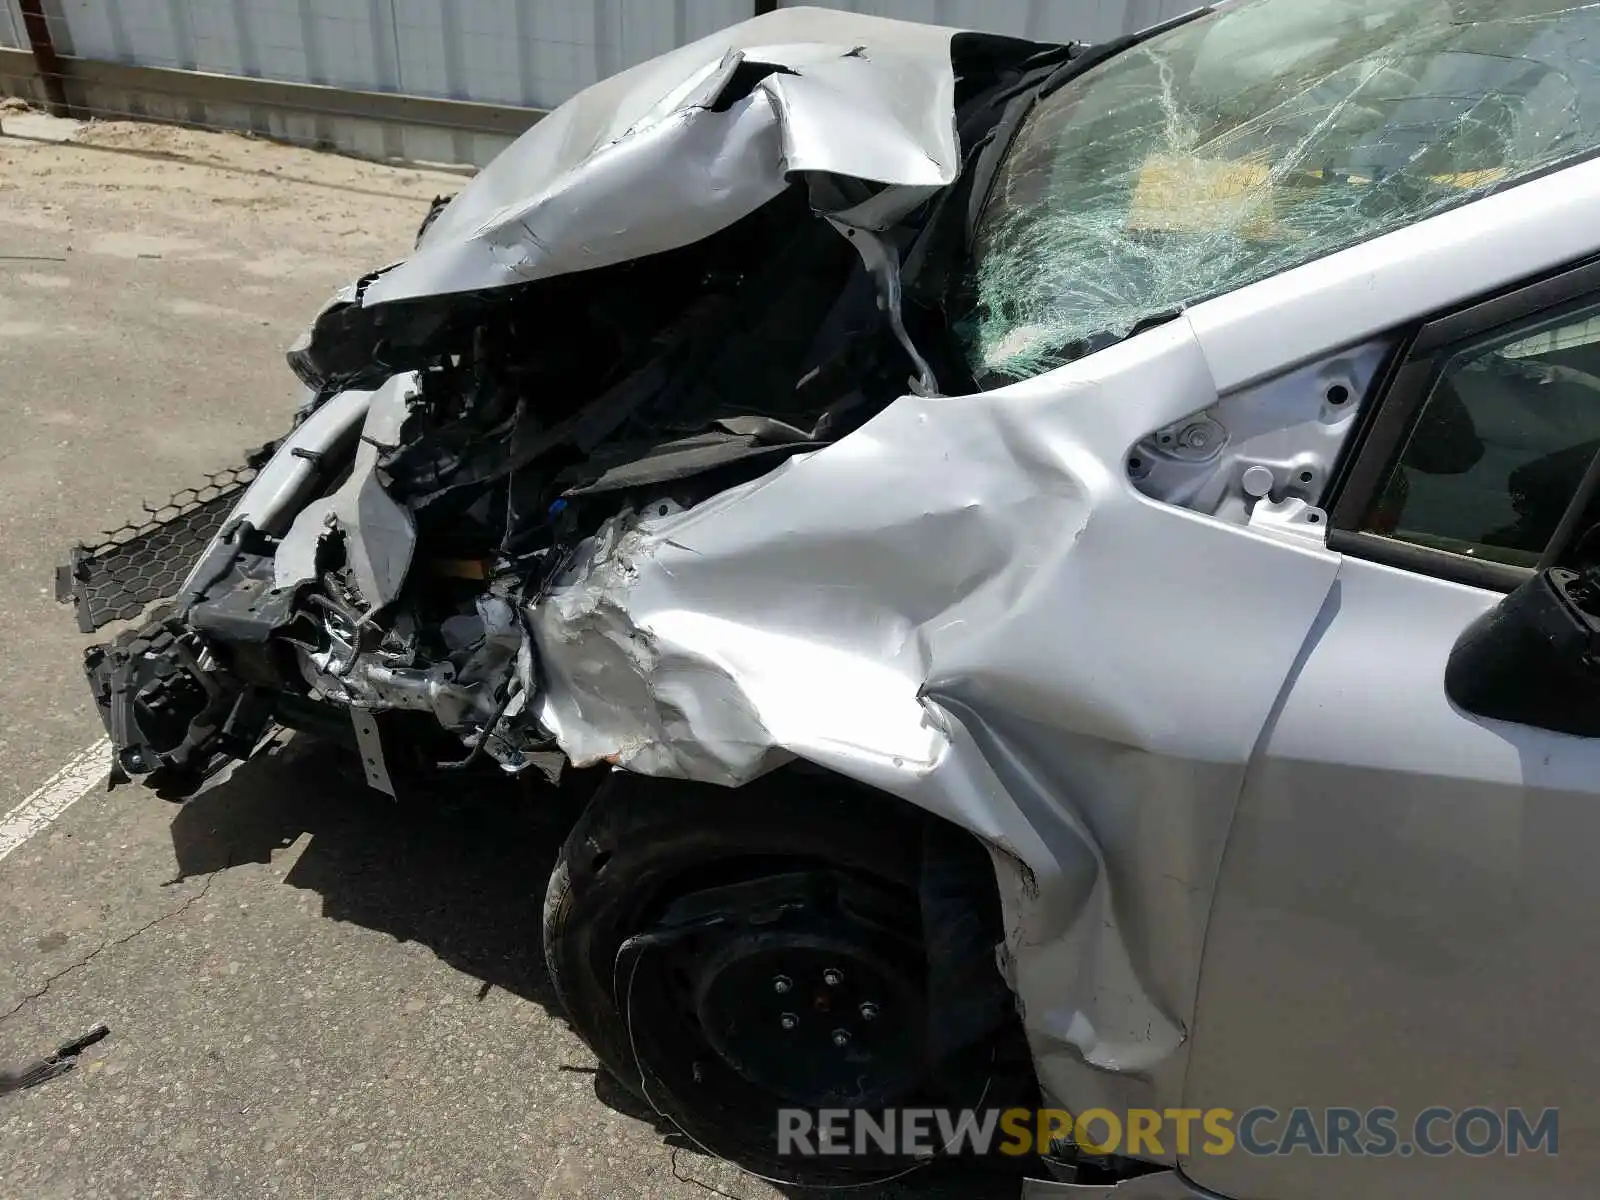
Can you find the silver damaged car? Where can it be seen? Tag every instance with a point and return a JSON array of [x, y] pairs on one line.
[[1051, 577]]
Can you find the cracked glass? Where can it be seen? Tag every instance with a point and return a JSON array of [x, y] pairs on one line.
[[1252, 140]]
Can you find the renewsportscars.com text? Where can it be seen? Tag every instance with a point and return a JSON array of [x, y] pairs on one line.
[[1155, 1133]]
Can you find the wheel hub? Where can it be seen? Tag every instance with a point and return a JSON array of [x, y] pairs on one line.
[[816, 1017]]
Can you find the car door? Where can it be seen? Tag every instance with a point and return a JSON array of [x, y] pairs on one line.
[[1407, 916]]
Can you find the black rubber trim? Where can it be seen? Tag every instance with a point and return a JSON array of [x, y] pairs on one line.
[[1581, 282], [1568, 530], [1425, 560], [1393, 414]]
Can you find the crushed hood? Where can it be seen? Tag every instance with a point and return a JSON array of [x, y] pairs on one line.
[[677, 148]]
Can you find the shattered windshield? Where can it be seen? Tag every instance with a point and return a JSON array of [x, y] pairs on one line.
[[1254, 139]]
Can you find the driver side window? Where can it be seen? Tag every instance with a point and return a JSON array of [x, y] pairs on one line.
[[1506, 432]]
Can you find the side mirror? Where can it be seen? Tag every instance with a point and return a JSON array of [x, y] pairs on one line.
[[1535, 657]]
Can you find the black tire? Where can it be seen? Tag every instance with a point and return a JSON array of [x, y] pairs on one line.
[[641, 844]]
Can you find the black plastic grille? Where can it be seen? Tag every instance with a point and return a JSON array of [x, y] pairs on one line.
[[144, 561]]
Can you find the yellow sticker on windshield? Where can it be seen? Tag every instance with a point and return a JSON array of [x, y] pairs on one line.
[[1198, 195], [1472, 179]]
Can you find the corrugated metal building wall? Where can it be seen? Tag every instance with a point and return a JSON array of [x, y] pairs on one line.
[[11, 25], [526, 52]]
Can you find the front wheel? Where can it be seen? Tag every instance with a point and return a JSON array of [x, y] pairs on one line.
[[730, 955]]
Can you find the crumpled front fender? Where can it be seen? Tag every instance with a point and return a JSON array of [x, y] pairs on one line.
[[965, 604]]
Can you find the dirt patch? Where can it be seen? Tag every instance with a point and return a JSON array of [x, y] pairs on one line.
[[252, 155], [125, 188], [150, 281]]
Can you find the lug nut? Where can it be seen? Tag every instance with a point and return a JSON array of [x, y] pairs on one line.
[[869, 1011], [832, 977], [781, 984], [841, 1037], [788, 1020]]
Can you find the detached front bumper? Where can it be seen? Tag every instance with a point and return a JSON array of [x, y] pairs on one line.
[[163, 707], [167, 714]]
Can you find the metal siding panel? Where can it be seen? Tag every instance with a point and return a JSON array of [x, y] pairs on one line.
[[214, 41], [492, 68], [563, 50], [1015, 19], [704, 17], [304, 16], [646, 29], [249, 55], [605, 37], [277, 41], [384, 42], [926, 11], [313, 41], [541, 52], [490, 54], [419, 39], [86, 27], [523, 26], [182, 34], [1110, 18], [652, 27], [11, 26], [151, 38], [455, 73]]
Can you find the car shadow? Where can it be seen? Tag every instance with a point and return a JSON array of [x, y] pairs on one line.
[[464, 877]]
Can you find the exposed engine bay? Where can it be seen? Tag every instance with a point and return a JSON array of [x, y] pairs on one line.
[[518, 424], [377, 577]]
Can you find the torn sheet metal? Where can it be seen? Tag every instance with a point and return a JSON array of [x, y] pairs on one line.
[[289, 478], [379, 535], [679, 147], [962, 604]]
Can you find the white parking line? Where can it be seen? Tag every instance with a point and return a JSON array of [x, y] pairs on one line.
[[60, 792]]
